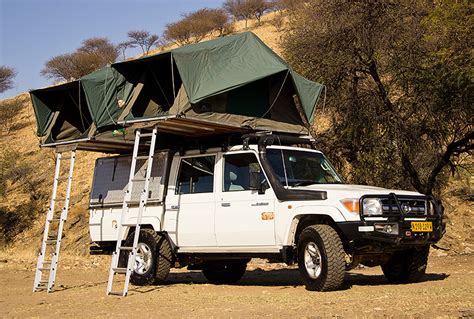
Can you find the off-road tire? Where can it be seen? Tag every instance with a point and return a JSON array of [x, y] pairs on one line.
[[332, 258], [161, 258], [224, 272], [165, 259], [407, 266]]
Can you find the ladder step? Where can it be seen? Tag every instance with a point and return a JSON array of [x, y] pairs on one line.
[[120, 270], [115, 293], [129, 224], [141, 157], [146, 134], [52, 236], [128, 201]]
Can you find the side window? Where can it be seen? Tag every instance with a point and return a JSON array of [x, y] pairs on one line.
[[237, 170], [196, 175]]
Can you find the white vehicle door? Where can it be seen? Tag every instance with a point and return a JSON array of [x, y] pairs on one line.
[[190, 202], [243, 216]]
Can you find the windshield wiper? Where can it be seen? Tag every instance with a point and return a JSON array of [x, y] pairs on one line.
[[304, 183]]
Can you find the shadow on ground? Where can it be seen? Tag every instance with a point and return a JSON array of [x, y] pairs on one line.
[[289, 277], [258, 277]]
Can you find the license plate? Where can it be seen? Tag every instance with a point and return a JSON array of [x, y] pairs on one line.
[[421, 226]]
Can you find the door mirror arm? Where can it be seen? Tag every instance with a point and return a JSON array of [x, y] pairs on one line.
[[256, 182]]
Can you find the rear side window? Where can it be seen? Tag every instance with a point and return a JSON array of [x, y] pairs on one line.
[[196, 175]]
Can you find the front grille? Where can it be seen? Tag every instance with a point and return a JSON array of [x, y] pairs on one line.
[[408, 206]]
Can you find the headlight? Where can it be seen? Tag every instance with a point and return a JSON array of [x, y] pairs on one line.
[[372, 206]]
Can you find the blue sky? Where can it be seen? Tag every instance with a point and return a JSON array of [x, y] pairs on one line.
[[33, 31]]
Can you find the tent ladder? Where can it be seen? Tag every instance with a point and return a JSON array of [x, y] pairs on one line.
[[123, 255], [48, 258]]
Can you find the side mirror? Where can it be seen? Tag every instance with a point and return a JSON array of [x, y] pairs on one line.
[[256, 182]]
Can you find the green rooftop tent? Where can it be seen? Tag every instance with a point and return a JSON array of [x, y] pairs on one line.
[[231, 84], [73, 111], [235, 80], [61, 113]]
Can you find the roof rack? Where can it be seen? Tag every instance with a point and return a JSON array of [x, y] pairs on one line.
[[268, 138]]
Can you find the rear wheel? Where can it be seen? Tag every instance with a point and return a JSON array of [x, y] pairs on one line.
[[407, 266], [224, 272], [153, 260], [321, 258]]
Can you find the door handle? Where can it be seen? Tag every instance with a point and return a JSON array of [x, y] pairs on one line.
[[225, 204], [174, 206]]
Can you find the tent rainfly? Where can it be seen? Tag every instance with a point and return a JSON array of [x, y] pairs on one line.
[[231, 84]]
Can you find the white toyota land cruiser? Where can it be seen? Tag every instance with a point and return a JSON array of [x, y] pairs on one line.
[[215, 209]]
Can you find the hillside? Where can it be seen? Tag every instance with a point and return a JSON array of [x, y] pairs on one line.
[[34, 175]]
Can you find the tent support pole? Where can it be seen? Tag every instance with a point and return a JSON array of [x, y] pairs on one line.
[[172, 76]]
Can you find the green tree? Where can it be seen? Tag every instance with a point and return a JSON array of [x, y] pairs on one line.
[[399, 83], [92, 55]]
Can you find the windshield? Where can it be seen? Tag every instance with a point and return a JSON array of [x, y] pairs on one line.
[[301, 167]]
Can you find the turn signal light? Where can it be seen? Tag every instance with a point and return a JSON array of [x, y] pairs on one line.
[[351, 204]]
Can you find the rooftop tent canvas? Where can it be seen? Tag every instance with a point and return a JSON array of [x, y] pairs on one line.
[[61, 113], [235, 80], [107, 92], [75, 110], [235, 83]]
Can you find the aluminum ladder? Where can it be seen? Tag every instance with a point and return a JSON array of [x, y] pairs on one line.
[[127, 201], [48, 258]]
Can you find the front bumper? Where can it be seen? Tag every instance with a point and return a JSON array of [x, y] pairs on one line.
[[398, 212], [366, 232]]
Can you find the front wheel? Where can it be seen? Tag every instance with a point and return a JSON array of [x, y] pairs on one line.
[[224, 272], [407, 266], [321, 258]]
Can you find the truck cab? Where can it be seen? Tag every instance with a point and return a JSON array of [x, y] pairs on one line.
[[216, 208]]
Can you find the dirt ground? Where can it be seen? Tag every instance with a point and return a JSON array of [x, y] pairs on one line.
[[266, 290]]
